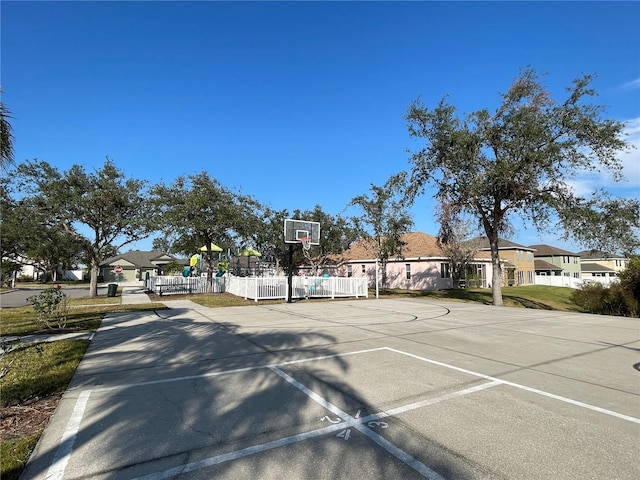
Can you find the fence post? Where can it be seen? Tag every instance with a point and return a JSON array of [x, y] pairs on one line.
[[255, 279]]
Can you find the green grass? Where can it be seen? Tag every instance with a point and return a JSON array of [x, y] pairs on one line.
[[214, 300], [39, 370], [530, 296], [14, 455], [82, 317]]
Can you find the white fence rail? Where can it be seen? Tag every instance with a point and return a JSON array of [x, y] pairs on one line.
[[170, 285], [263, 288], [571, 282]]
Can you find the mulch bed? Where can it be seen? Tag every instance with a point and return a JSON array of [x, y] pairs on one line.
[[19, 421]]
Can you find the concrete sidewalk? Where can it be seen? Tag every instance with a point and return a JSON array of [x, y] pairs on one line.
[[134, 294]]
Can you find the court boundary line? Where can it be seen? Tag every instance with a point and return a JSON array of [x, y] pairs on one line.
[[65, 447]]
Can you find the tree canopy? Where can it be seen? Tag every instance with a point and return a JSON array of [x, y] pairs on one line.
[[384, 219], [519, 159], [102, 210], [197, 210]]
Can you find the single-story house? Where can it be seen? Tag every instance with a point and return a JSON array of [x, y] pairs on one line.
[[423, 265], [134, 265]]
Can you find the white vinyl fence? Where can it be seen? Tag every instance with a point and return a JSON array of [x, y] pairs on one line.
[[571, 282], [263, 288]]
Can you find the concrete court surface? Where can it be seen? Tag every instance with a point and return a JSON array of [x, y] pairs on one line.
[[356, 389]]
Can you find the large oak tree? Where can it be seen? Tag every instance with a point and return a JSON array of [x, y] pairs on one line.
[[103, 210], [519, 159]]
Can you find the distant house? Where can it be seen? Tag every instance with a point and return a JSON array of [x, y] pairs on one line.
[[519, 265], [423, 265], [601, 266], [566, 263], [134, 265]]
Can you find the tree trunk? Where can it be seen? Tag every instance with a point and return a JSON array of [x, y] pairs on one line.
[[496, 282], [93, 285]]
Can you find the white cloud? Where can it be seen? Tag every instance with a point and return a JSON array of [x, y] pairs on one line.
[[632, 84], [631, 159]]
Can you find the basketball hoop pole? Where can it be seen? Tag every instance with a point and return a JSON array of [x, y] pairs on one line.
[[289, 286]]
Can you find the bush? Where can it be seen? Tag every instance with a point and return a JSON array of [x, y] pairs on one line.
[[51, 306], [616, 299]]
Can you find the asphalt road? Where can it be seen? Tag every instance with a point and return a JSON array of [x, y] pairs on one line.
[[374, 389], [18, 297]]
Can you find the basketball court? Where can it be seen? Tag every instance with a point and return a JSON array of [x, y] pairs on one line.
[[372, 389]]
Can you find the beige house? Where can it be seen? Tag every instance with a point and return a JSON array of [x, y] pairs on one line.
[[423, 265], [601, 266], [133, 266], [519, 266]]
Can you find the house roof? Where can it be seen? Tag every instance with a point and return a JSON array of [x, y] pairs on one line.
[[417, 245], [503, 244], [140, 259], [598, 255], [592, 267], [542, 265], [548, 251]]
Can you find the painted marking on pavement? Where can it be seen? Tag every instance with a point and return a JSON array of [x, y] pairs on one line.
[[522, 387], [63, 454]]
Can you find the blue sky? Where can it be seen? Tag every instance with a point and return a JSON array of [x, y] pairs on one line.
[[295, 103]]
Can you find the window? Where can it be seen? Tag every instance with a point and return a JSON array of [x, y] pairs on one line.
[[364, 270], [576, 275], [519, 255], [349, 271], [530, 277], [575, 260], [444, 270], [520, 278], [565, 259], [408, 271], [529, 256]]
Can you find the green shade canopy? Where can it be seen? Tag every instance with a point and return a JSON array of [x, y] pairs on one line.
[[249, 252], [212, 248]]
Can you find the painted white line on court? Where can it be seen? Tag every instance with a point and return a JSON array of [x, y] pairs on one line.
[[65, 448], [521, 387], [245, 452], [431, 401], [403, 456], [63, 454]]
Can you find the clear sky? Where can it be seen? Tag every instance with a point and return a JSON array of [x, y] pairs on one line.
[[295, 103]]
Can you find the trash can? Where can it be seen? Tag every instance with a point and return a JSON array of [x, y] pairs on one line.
[[113, 288]]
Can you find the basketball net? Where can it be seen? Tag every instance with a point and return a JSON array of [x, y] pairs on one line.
[[306, 243]]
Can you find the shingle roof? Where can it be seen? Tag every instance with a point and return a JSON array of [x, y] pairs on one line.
[[483, 243], [542, 265], [589, 267], [418, 245], [598, 255], [141, 259], [548, 250]]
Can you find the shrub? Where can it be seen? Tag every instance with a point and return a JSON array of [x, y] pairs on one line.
[[51, 306]]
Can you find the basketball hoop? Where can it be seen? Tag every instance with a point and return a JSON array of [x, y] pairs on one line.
[[306, 243]]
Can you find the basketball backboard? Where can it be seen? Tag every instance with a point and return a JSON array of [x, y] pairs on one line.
[[295, 230]]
